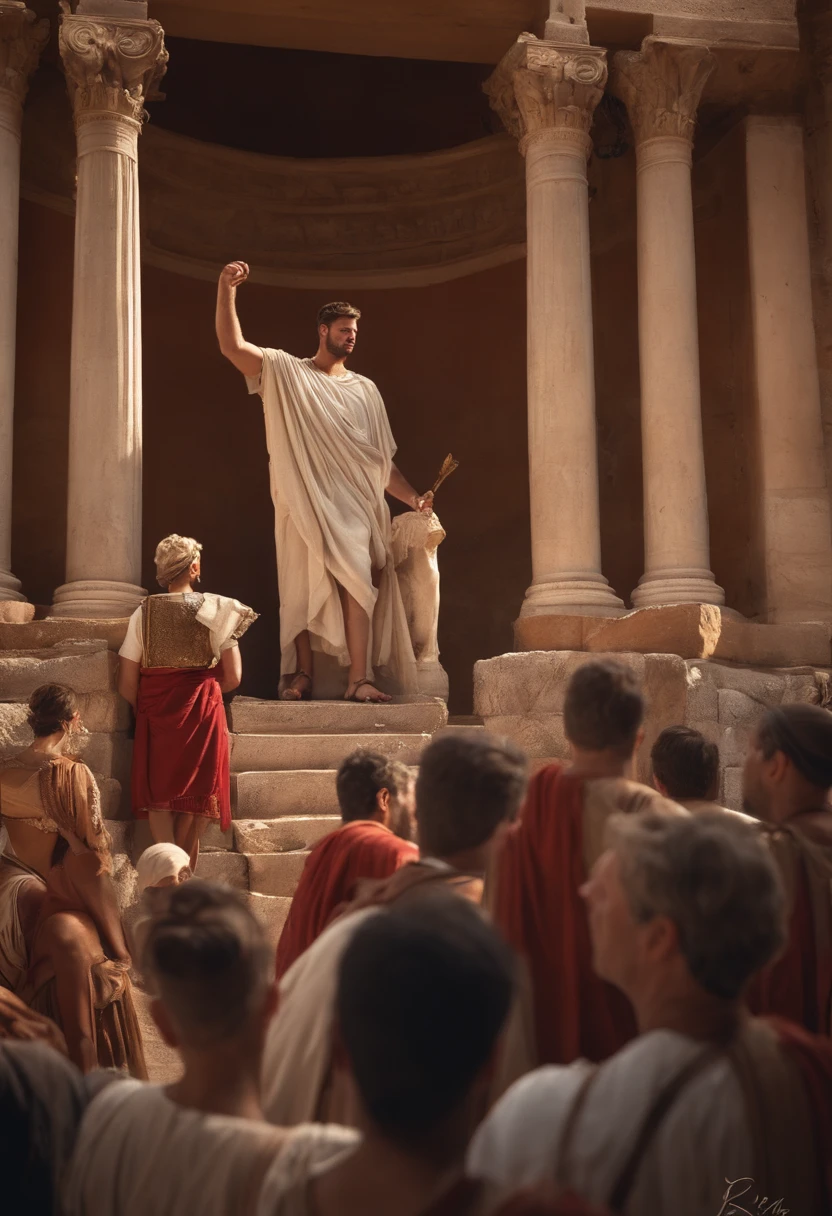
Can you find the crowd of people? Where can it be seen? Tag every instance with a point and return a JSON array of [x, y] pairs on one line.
[[493, 995]]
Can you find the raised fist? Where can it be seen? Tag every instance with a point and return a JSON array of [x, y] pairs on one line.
[[234, 274]]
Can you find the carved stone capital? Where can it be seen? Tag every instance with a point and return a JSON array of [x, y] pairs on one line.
[[112, 64], [544, 88], [22, 38], [661, 85]]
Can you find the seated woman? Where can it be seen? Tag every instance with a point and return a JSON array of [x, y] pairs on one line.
[[62, 946], [179, 656]]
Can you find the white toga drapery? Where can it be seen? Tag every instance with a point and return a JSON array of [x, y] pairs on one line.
[[330, 456]]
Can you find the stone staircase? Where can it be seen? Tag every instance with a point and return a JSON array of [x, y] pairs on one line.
[[284, 758]]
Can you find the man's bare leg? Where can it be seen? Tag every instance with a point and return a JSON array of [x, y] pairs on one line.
[[188, 830], [357, 629], [161, 825], [299, 685]]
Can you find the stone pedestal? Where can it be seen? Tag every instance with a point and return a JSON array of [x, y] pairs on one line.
[[111, 66], [21, 40], [661, 87], [546, 94], [797, 535]]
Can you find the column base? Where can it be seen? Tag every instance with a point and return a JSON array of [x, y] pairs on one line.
[[97, 598], [10, 587], [662, 588], [580, 594]]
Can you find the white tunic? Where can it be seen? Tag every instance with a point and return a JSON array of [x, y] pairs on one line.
[[330, 456]]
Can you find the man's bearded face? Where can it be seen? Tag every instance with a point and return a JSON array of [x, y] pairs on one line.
[[341, 337]]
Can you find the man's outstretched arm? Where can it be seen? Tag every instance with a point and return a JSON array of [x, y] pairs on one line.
[[247, 358]]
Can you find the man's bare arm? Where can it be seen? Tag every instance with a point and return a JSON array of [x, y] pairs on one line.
[[399, 487], [247, 358]]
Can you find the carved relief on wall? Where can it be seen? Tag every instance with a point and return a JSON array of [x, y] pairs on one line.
[[385, 221]]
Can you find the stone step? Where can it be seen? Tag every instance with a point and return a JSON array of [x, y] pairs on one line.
[[83, 666], [250, 716], [271, 911], [229, 868], [275, 873], [282, 835], [273, 795], [270, 753], [462, 728]]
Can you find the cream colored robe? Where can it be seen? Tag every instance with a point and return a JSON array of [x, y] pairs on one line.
[[330, 456]]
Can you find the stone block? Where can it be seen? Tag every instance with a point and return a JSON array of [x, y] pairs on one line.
[[665, 686], [732, 788], [107, 752], [275, 873], [261, 753], [272, 795], [539, 737], [250, 716], [733, 744], [104, 711], [271, 911], [690, 631], [549, 632], [531, 682], [786, 645], [15, 734], [115, 799], [58, 631], [229, 869], [738, 709], [764, 686], [16, 612], [702, 700], [83, 666], [286, 835], [809, 687], [213, 839]]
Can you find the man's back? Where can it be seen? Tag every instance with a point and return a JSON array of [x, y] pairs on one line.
[[543, 864], [743, 1115], [360, 849], [139, 1152]]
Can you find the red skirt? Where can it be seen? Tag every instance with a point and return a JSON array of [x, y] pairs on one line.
[[180, 756]]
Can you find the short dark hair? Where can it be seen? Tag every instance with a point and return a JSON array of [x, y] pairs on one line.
[[339, 308], [604, 707], [208, 959], [49, 707], [804, 734], [467, 786], [360, 778], [424, 989], [686, 763]]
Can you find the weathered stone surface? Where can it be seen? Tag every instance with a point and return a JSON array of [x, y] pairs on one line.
[[275, 873], [14, 731], [737, 709], [530, 682], [550, 632], [665, 685], [285, 835], [83, 666], [732, 788], [271, 911], [213, 839], [57, 631], [271, 795], [702, 700], [774, 645], [115, 799], [690, 631], [108, 753], [539, 737], [104, 711], [247, 715], [260, 753], [16, 612], [228, 868]]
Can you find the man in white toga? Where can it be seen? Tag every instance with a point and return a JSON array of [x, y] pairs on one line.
[[331, 461]]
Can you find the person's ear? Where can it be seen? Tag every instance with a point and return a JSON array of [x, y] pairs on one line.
[[383, 806], [164, 1025], [778, 767], [661, 939]]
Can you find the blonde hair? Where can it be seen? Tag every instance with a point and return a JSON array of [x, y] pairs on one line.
[[173, 556]]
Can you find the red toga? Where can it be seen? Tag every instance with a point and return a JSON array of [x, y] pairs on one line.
[[361, 849], [541, 913], [180, 756]]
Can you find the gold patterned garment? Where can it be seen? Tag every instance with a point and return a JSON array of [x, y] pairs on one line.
[[171, 634]]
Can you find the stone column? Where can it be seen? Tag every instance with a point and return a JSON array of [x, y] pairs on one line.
[[546, 94], [22, 37], [661, 86], [797, 537], [111, 66]]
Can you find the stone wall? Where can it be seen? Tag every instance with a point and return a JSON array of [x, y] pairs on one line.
[[522, 696]]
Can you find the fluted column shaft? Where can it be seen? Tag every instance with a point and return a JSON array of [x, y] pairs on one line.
[[103, 567], [546, 94], [661, 87], [22, 37]]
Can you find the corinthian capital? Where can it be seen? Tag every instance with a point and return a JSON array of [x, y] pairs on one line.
[[661, 85], [22, 38], [112, 64], [540, 88]]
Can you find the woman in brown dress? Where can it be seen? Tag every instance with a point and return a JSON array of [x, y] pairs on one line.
[[66, 917]]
